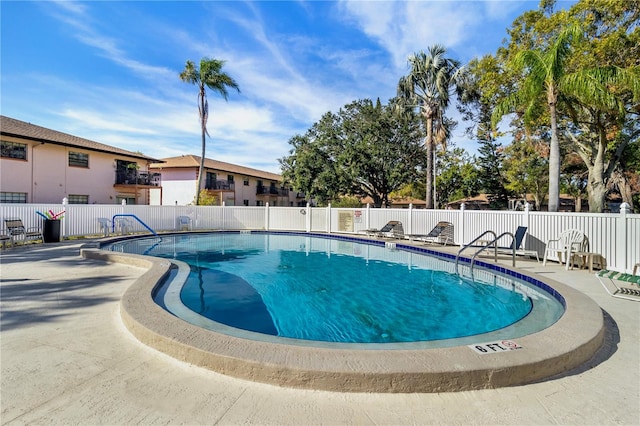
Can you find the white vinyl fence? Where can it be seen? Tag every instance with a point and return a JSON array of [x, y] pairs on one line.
[[616, 236]]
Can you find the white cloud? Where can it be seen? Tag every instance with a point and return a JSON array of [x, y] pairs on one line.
[[403, 28]]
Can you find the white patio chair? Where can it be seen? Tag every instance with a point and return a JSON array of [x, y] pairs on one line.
[[568, 243]]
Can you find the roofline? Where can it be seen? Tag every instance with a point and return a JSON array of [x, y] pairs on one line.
[[42, 140]]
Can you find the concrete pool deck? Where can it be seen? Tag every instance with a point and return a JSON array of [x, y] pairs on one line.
[[67, 358]]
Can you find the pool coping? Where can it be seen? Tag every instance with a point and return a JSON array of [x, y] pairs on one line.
[[568, 343]]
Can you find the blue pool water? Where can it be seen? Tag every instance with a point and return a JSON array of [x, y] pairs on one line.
[[330, 290]]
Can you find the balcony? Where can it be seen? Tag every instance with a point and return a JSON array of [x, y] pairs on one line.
[[137, 177], [220, 185], [272, 190]]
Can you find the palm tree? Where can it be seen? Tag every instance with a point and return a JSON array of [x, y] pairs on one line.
[[427, 88], [209, 75], [545, 72]]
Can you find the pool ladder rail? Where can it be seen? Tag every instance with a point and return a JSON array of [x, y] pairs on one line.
[[491, 244]]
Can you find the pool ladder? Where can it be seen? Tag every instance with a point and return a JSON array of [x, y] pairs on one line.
[[491, 244]]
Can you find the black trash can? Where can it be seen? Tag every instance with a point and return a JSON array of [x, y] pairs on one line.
[[51, 231]]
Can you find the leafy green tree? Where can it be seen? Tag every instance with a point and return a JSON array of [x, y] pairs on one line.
[[427, 88], [545, 76], [578, 81], [526, 168], [601, 128], [365, 149], [206, 198], [347, 201], [574, 178], [210, 75], [458, 177]]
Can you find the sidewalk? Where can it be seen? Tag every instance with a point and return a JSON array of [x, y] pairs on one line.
[[66, 358]]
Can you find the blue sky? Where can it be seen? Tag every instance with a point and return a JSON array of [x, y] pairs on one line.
[[108, 71]]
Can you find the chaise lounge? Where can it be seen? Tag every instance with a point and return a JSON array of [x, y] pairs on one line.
[[442, 233], [393, 229], [625, 286], [18, 232]]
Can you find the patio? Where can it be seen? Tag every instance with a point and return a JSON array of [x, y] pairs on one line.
[[67, 358]]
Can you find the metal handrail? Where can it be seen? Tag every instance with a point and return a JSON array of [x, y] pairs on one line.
[[113, 222], [469, 245], [491, 244]]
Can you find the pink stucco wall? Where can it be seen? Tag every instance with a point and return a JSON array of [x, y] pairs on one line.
[[46, 176]]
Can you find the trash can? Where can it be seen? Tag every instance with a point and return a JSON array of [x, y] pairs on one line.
[[51, 231]]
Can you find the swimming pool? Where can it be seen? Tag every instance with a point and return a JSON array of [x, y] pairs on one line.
[[473, 362], [340, 290]]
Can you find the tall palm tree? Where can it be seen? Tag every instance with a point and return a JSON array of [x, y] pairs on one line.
[[208, 75], [548, 77], [545, 72], [427, 87]]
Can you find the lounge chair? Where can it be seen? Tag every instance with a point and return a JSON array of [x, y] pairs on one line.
[[625, 286], [569, 242], [393, 229], [442, 233], [518, 241], [17, 231]]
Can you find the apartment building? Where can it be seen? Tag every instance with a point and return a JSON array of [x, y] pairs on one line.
[[230, 184], [40, 165]]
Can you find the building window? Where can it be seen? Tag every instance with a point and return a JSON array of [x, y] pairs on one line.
[[246, 202], [230, 178], [259, 203], [78, 159], [129, 200], [246, 182], [13, 197], [14, 150], [78, 199]]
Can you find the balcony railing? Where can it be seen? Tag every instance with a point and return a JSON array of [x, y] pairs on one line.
[[271, 190], [221, 185], [136, 177]]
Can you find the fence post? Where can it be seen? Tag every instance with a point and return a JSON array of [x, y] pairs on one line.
[[65, 231], [329, 218], [266, 216], [224, 211], [367, 224], [621, 261], [461, 225], [308, 218], [525, 222], [410, 227]]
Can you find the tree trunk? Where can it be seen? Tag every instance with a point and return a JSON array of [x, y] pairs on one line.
[[203, 126], [429, 147], [554, 163], [596, 182]]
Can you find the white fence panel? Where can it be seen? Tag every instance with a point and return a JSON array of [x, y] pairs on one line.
[[287, 219], [423, 221], [209, 217], [242, 217], [319, 219]]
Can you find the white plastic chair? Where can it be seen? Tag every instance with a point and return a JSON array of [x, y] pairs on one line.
[[184, 223], [124, 225], [105, 226], [568, 243]]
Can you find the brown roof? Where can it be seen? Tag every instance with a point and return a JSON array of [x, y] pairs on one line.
[[21, 129], [190, 161], [397, 201]]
